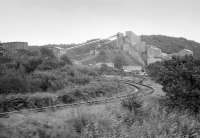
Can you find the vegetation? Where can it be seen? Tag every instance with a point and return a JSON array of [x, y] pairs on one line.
[[180, 78], [32, 80], [148, 122], [68, 95], [27, 72], [38, 80], [66, 59], [119, 62], [172, 44]]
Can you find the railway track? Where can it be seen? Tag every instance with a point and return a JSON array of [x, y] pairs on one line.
[[137, 86]]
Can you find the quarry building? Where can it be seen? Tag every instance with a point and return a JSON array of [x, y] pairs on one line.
[[143, 53], [139, 51], [127, 44], [12, 47]]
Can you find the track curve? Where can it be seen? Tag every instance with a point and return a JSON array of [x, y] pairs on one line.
[[137, 86]]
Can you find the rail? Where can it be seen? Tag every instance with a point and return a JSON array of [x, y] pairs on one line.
[[92, 102], [96, 41]]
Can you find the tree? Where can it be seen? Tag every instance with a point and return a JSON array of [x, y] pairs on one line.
[[47, 53], [66, 59], [119, 62], [102, 56], [180, 78]]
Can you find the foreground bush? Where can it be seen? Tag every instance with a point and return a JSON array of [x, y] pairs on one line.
[[18, 81], [180, 78], [156, 124], [47, 81], [13, 82], [134, 114], [69, 95], [92, 90], [133, 103], [19, 101]]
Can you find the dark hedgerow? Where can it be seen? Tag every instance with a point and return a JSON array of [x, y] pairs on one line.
[[180, 78], [13, 82]]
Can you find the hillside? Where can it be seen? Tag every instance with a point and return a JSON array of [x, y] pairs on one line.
[[108, 55], [88, 54], [172, 44]]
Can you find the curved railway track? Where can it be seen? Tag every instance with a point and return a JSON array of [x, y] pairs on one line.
[[137, 86]]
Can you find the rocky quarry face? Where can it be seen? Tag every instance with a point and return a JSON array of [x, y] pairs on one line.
[[129, 45], [143, 53]]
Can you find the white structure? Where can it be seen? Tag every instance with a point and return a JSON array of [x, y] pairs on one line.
[[109, 64], [132, 68], [182, 53]]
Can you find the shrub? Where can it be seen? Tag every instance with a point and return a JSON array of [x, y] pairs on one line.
[[91, 90], [135, 113], [13, 82], [47, 53], [87, 71], [119, 62], [180, 78], [4, 59], [133, 104], [79, 79], [104, 69], [80, 123], [66, 59], [50, 64], [31, 64], [19, 101], [91, 125], [47, 81]]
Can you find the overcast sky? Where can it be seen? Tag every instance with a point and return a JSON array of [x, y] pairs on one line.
[[73, 21]]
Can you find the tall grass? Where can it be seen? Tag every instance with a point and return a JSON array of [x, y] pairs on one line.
[[156, 123]]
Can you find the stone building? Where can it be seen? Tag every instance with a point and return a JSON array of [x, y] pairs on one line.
[[11, 47], [132, 44], [182, 53], [3, 52]]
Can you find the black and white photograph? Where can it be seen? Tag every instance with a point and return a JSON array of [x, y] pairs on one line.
[[99, 68]]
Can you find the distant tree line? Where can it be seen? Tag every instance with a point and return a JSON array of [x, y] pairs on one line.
[[28, 71]]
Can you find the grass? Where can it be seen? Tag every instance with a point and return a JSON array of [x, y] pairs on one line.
[[153, 121], [130, 119], [95, 89]]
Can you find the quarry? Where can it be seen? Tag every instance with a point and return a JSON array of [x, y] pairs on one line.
[[129, 45], [96, 52]]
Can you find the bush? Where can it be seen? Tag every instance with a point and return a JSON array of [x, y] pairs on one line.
[[4, 59], [47, 81], [119, 62], [133, 104], [66, 59], [47, 53], [87, 71], [91, 125], [180, 78], [135, 113], [31, 64], [104, 69], [50, 64], [92, 90], [19, 101], [69, 95], [13, 82], [79, 79]]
